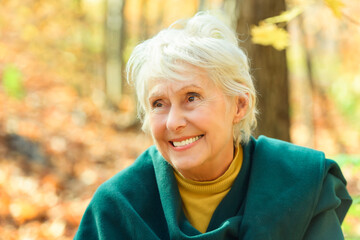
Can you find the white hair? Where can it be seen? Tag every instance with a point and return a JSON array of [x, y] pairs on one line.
[[205, 42]]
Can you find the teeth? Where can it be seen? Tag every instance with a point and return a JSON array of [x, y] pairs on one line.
[[186, 142]]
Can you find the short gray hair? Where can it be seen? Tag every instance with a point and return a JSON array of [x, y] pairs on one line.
[[202, 41]]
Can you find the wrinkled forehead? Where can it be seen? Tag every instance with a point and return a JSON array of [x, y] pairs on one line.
[[158, 88], [183, 74]]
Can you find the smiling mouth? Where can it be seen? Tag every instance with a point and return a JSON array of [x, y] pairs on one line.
[[186, 142]]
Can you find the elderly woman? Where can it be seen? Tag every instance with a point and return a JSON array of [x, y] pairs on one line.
[[206, 177]]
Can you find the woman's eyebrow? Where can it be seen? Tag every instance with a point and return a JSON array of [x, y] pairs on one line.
[[155, 93], [192, 86]]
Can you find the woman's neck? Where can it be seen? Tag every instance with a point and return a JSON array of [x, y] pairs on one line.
[[210, 170]]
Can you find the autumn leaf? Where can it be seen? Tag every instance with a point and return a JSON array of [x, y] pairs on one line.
[[285, 16], [5, 201], [23, 210], [270, 35], [335, 6]]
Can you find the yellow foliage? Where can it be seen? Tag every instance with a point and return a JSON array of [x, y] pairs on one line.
[[335, 6], [285, 16], [269, 34]]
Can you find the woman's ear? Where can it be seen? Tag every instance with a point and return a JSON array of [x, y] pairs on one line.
[[241, 107]]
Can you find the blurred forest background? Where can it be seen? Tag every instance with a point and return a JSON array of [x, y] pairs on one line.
[[68, 118]]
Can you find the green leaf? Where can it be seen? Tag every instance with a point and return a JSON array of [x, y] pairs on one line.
[[12, 82]]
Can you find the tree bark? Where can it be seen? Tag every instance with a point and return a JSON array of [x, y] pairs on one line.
[[269, 69]]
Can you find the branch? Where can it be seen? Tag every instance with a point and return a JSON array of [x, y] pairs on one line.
[[350, 19]]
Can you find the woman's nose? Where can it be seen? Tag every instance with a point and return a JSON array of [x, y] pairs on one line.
[[176, 119]]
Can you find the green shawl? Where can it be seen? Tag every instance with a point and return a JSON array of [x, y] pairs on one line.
[[283, 191]]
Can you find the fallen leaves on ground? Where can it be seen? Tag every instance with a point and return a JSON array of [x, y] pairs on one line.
[[56, 148]]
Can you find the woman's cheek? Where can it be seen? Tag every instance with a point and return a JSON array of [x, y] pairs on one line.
[[158, 125], [199, 115]]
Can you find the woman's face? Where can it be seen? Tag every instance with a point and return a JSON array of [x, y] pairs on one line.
[[191, 122]]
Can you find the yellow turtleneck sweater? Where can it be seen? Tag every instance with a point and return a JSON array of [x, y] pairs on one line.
[[200, 199]]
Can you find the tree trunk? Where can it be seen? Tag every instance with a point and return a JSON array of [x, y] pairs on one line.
[[269, 69], [309, 89], [201, 6], [113, 48], [143, 23]]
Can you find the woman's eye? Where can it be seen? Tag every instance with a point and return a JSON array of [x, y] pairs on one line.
[[193, 97], [157, 104]]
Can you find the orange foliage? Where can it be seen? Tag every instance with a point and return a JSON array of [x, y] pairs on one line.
[[69, 140]]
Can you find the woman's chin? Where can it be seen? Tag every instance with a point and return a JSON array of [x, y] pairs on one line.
[[187, 168]]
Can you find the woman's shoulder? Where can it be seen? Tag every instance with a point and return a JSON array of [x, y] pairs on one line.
[[288, 156], [271, 145], [138, 177], [298, 158]]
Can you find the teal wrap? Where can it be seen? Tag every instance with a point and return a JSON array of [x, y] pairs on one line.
[[282, 192]]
